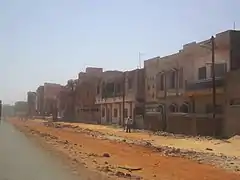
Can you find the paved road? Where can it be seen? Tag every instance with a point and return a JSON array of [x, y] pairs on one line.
[[21, 159]]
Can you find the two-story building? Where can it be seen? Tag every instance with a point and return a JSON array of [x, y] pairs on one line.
[[182, 84], [40, 100], [86, 91], [31, 100], [121, 90]]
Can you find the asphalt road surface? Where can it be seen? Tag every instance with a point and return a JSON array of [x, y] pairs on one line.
[[22, 159]]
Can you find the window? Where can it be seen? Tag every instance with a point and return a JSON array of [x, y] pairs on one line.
[[118, 88], [98, 89], [94, 109], [162, 82], [218, 109], [180, 78], [184, 108], [115, 112], [172, 79], [129, 83], [148, 87], [125, 112], [153, 86], [110, 87], [173, 108], [220, 69], [202, 73], [103, 112], [234, 102], [153, 95]]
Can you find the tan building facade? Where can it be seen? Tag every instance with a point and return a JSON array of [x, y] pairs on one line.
[[40, 100], [181, 83], [63, 102], [231, 123], [31, 100], [86, 91], [118, 88], [46, 97], [51, 90]]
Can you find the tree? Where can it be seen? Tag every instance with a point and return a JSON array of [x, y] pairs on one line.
[[71, 84]]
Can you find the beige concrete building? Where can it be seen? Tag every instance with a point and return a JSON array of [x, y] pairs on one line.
[[40, 100], [117, 87], [51, 91], [231, 123], [31, 100], [46, 96], [181, 83], [86, 91]]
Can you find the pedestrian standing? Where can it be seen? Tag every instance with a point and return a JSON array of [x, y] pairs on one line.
[[129, 124]]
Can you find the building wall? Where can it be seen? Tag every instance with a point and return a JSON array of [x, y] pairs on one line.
[[193, 125], [63, 102], [31, 100], [151, 71], [94, 70], [116, 112], [86, 92], [231, 124], [51, 92], [187, 62], [40, 100], [161, 88], [21, 108], [105, 101], [109, 115], [201, 102], [134, 85], [111, 103]]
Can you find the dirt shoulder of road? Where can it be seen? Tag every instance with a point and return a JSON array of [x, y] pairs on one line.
[[229, 147], [123, 157]]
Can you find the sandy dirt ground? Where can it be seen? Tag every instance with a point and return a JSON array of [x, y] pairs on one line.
[[138, 155], [230, 147]]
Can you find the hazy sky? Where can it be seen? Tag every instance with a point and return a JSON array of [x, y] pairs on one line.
[[52, 40]]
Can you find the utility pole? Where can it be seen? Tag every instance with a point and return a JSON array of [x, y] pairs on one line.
[[213, 77], [212, 48], [123, 99], [73, 92]]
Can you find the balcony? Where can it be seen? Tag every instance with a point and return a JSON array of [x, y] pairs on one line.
[[204, 84]]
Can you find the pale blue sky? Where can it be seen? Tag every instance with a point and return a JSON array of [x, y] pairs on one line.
[[52, 40]]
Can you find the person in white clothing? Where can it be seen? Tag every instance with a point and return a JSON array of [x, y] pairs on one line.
[[129, 124]]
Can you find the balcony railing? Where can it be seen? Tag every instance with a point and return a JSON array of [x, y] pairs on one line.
[[204, 84]]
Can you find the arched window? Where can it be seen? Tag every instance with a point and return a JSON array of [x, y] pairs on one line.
[[160, 108], [173, 108], [184, 107]]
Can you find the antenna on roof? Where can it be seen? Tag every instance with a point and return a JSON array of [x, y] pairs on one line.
[[234, 25]]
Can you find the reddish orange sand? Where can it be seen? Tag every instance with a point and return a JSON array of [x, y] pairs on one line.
[[154, 166]]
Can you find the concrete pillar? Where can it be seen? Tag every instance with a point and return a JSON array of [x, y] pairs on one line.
[[120, 114], [130, 109]]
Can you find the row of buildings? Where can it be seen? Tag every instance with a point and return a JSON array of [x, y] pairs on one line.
[[171, 93]]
